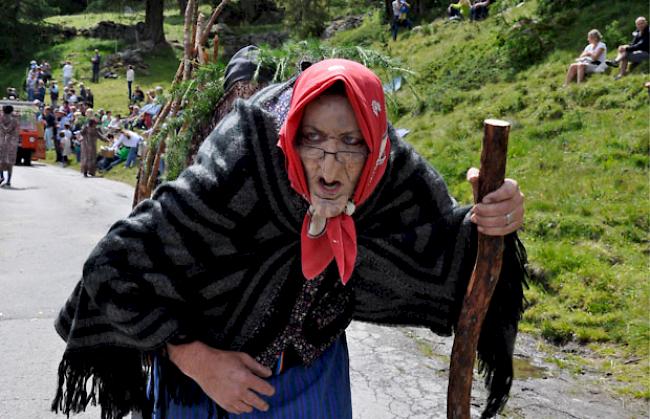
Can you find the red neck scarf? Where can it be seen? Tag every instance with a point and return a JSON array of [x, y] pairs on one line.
[[365, 94]]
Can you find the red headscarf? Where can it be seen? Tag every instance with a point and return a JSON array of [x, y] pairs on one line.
[[366, 96]]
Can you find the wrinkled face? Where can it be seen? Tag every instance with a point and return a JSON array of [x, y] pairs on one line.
[[641, 24], [329, 125]]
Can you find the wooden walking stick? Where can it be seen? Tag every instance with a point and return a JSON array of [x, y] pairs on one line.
[[484, 277]]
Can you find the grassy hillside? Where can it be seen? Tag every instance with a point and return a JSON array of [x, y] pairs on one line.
[[580, 155]]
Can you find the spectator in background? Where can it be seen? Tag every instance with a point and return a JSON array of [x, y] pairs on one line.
[[32, 82], [592, 59], [65, 141], [90, 98], [479, 10], [40, 92], [9, 140], [61, 119], [138, 95], [72, 97], [131, 140], [49, 121], [54, 94], [635, 53], [68, 72], [402, 18], [46, 72], [96, 61], [130, 76], [460, 10], [106, 120], [82, 93]]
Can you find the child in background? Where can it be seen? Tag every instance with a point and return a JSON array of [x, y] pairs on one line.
[[66, 145]]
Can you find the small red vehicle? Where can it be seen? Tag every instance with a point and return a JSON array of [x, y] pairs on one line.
[[32, 142]]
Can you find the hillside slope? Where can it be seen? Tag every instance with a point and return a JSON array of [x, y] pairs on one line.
[[580, 154]]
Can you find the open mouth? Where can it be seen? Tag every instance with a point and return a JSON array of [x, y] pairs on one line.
[[329, 188]]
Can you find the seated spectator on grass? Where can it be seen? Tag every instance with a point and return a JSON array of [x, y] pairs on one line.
[[636, 52], [592, 59], [104, 164], [138, 95], [107, 118], [459, 10], [479, 10]]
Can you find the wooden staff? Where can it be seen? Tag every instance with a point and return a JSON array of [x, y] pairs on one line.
[[484, 277]]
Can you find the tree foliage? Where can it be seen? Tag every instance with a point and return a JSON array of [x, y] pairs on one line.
[[21, 26], [305, 17]]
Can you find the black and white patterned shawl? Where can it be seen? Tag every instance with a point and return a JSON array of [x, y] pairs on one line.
[[215, 256]]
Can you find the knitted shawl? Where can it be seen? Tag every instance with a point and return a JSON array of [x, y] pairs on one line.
[[215, 256]]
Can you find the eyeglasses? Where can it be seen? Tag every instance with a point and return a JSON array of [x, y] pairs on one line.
[[344, 157]]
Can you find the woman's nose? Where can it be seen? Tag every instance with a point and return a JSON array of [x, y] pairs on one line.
[[330, 167]]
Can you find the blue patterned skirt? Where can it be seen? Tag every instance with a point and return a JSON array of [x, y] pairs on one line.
[[318, 391]]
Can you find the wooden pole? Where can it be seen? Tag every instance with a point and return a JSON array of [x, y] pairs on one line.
[[484, 277], [213, 19], [187, 39]]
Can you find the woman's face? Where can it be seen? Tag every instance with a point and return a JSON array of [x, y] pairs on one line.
[[592, 39], [329, 124]]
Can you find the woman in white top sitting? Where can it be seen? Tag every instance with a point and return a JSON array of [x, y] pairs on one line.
[[592, 59]]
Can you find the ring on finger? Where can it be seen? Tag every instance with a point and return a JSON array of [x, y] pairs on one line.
[[508, 218]]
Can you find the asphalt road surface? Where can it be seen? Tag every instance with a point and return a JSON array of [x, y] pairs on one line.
[[51, 219]]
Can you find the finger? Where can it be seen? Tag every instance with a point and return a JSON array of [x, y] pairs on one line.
[[260, 386], [500, 220], [257, 368], [254, 400], [472, 178], [231, 408], [242, 407], [506, 191], [472, 175], [496, 209], [500, 231]]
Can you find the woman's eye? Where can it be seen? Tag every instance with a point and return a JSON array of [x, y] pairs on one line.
[[352, 140], [312, 137]]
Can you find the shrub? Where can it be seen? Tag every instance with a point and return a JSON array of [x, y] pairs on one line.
[[522, 44], [613, 35]]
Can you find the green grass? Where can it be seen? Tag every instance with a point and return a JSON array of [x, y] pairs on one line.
[[580, 154]]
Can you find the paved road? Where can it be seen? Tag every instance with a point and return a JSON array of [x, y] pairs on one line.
[[50, 221]]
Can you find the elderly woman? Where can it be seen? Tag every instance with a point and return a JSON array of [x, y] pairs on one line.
[[592, 59], [234, 284], [9, 140]]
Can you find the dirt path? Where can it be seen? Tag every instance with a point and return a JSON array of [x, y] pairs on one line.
[[403, 372]]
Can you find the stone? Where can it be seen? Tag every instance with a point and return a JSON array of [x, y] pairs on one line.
[[342, 24]]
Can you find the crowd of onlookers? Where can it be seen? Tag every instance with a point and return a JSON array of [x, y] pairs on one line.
[[71, 125], [593, 58]]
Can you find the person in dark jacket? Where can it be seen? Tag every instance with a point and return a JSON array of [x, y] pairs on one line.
[[636, 52]]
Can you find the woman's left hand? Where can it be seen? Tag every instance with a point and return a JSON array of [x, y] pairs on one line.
[[502, 211]]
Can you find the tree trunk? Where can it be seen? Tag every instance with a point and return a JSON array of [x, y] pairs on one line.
[[182, 4], [153, 21], [389, 10]]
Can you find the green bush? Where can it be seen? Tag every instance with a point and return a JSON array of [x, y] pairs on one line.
[[613, 35], [522, 44]]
